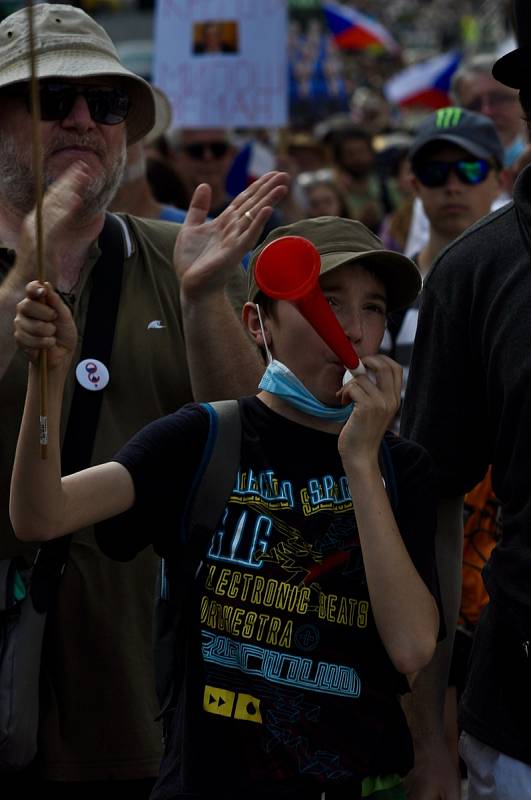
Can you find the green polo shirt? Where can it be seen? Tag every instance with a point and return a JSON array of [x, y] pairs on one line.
[[98, 700]]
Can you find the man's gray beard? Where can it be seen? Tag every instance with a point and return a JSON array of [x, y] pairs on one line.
[[17, 183]]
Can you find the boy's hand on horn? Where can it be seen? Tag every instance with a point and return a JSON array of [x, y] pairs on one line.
[[376, 404]]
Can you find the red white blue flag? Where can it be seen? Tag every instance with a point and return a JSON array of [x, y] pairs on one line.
[[426, 83], [252, 161], [353, 30]]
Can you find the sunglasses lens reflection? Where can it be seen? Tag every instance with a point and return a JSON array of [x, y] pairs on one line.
[[435, 173]]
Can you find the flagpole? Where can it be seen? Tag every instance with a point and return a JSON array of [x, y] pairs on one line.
[[38, 183]]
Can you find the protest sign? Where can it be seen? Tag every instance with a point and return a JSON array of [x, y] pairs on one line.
[[223, 63]]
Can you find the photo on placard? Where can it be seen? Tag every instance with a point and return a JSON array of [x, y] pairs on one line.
[[215, 37]]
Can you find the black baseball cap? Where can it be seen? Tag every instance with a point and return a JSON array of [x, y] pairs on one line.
[[512, 69], [470, 130]]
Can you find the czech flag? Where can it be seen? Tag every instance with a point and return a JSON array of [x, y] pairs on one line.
[[424, 84], [355, 31], [252, 161]]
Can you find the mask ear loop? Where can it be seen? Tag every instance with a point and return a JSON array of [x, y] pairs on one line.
[[268, 353]]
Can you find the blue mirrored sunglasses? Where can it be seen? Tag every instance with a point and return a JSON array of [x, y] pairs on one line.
[[469, 171]]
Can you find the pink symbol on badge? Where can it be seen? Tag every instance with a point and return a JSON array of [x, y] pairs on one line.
[[92, 374]]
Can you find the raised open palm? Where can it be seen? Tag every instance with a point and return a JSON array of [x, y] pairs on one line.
[[207, 251]]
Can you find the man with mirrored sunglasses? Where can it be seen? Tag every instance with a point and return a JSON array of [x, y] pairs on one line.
[[177, 338], [467, 402], [457, 174], [456, 161]]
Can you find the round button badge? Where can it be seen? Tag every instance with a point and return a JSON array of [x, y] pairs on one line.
[[92, 374]]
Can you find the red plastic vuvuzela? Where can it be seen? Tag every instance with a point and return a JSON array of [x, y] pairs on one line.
[[288, 269]]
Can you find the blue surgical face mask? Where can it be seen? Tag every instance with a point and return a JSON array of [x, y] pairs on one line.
[[280, 381]]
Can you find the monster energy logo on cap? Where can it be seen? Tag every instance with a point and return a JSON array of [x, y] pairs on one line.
[[448, 117], [473, 132]]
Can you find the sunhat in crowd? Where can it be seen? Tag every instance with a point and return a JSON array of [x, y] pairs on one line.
[[342, 241], [70, 44]]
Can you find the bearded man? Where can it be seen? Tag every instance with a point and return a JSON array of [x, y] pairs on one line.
[[177, 337]]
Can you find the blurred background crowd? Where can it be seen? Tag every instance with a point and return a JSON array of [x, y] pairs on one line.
[[347, 141]]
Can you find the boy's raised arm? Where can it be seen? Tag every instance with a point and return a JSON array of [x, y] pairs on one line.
[[41, 505], [44, 506], [207, 260]]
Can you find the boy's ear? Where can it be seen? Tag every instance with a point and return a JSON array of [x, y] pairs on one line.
[[252, 323]]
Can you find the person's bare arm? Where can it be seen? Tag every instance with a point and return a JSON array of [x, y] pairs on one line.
[[45, 506], [42, 505], [435, 776], [223, 361], [404, 609]]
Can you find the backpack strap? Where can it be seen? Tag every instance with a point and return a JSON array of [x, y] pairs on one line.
[[78, 443], [97, 342], [211, 488], [388, 473], [215, 477]]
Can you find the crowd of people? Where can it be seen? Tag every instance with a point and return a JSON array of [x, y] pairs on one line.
[[329, 649]]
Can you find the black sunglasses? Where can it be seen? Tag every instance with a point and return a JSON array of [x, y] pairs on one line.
[[197, 151], [436, 173], [107, 105], [494, 99]]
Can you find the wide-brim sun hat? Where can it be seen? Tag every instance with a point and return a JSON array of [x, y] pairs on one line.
[[163, 116], [343, 241], [69, 44]]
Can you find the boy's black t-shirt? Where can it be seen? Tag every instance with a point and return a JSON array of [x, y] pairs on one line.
[[295, 686]]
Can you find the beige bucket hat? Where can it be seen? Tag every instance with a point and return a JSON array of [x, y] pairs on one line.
[[163, 115], [70, 44]]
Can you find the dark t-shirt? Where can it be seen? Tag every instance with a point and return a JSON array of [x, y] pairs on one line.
[[295, 686], [467, 402]]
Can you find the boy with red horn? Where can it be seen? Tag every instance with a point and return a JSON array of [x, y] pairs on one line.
[[317, 599]]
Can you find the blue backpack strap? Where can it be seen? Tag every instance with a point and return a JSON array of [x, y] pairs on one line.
[[203, 464], [210, 491], [217, 472]]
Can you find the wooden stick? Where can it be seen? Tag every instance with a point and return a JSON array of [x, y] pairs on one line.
[[38, 183]]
